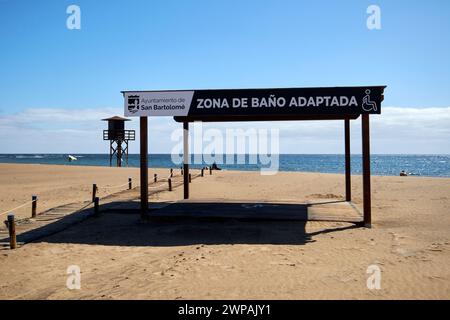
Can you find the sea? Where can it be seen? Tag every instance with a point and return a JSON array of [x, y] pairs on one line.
[[383, 165]]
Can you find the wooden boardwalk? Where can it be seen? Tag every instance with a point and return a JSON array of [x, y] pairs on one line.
[[48, 222], [62, 217]]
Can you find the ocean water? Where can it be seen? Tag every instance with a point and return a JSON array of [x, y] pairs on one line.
[[384, 165]]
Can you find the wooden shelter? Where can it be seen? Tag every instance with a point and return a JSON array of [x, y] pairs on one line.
[[279, 104]]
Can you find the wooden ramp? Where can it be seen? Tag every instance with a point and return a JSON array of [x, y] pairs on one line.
[[49, 222], [62, 217], [252, 210]]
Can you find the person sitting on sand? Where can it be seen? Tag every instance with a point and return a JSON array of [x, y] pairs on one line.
[[403, 173], [215, 167]]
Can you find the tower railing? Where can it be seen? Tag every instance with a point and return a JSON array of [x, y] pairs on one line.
[[119, 135]]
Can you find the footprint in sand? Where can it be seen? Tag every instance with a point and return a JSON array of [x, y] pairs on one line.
[[324, 196], [436, 247]]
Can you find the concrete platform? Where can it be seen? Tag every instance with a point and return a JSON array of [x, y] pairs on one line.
[[220, 209]]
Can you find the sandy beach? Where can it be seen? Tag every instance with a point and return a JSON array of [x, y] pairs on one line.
[[121, 258]]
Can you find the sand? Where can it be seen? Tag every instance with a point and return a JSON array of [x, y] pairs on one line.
[[121, 258]]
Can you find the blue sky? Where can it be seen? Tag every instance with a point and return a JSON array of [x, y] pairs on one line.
[[216, 44]]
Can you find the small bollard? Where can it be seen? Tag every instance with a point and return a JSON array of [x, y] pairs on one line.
[[210, 170], [96, 208], [12, 231], [171, 172], [201, 172], [170, 184], [94, 191], [155, 177], [130, 184], [190, 178], [33, 206]]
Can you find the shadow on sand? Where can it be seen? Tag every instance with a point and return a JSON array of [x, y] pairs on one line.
[[169, 227]]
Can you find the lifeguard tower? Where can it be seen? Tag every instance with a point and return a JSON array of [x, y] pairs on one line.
[[118, 139]]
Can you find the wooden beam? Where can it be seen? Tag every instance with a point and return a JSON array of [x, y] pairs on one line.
[[186, 159], [144, 166], [228, 118], [110, 153], [366, 170], [126, 151], [348, 179], [119, 153]]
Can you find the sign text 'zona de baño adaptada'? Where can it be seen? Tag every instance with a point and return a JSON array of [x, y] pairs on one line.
[[231, 102]]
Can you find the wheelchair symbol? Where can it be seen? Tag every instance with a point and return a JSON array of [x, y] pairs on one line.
[[368, 105]]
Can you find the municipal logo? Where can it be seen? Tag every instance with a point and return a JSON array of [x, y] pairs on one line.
[[133, 104]]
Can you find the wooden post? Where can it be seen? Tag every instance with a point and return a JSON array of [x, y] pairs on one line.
[[170, 184], [171, 172], [210, 170], [181, 170], [110, 153], [144, 166], [190, 178], [12, 231], [348, 177], [201, 172], [130, 185], [126, 142], [366, 170], [186, 159], [94, 191], [119, 153], [96, 208], [34, 206], [155, 177]]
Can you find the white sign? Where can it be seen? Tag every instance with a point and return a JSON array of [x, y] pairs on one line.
[[157, 103]]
